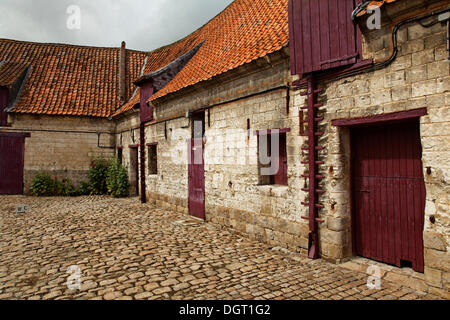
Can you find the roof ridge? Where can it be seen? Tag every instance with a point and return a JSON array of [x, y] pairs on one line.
[[54, 44]]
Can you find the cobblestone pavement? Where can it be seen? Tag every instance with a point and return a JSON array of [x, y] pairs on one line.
[[126, 250]]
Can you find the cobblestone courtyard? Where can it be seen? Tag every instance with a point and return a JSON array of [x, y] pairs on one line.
[[126, 250]]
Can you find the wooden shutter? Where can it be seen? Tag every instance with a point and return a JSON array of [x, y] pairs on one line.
[[322, 35], [146, 111], [281, 177]]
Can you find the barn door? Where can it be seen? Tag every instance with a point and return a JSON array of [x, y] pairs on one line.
[[389, 194], [196, 168], [11, 164]]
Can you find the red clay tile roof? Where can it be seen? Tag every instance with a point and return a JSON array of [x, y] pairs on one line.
[[69, 80], [10, 72], [246, 30]]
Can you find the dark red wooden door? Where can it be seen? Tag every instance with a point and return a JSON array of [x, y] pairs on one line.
[[11, 164], [196, 173], [389, 193]]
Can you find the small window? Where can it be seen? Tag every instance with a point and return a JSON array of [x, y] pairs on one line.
[[120, 155], [153, 159], [272, 168]]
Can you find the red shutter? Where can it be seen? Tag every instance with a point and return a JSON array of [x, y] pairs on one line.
[[322, 35], [281, 177], [3, 105], [146, 111]]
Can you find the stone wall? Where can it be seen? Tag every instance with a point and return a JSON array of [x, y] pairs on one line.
[[62, 146], [419, 77], [233, 196], [127, 134]]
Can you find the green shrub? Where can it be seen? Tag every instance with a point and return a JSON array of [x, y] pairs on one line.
[[67, 189], [84, 189], [42, 185], [97, 177], [117, 180]]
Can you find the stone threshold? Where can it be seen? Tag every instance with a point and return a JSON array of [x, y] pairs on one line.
[[405, 276]]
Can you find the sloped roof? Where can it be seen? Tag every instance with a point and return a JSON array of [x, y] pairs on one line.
[[245, 31], [67, 79], [10, 72]]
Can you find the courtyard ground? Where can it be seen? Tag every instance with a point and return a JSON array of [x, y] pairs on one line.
[[126, 250]]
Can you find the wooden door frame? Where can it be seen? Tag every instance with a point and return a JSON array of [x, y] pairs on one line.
[[364, 122]]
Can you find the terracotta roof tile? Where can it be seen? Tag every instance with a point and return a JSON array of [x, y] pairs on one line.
[[245, 31], [66, 79], [10, 72]]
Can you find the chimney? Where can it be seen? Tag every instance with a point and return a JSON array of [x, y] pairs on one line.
[[123, 90]]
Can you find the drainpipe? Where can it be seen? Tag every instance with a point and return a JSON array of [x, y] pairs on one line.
[[142, 147], [313, 163]]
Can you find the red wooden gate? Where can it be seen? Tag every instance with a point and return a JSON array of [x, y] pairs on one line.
[[196, 171], [389, 193], [11, 163]]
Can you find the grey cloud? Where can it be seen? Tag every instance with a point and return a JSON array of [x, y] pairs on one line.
[[143, 24]]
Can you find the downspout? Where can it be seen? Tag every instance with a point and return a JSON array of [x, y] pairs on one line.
[[393, 40], [313, 163], [142, 147]]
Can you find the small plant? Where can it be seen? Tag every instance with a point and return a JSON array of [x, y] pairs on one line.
[[68, 190], [117, 180], [97, 177], [84, 189], [42, 185]]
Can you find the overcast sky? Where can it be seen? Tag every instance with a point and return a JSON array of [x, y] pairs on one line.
[[143, 24]]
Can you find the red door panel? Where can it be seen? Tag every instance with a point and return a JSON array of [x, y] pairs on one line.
[[281, 177], [11, 165], [196, 173], [389, 193]]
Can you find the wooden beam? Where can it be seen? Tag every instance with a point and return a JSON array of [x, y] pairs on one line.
[[396, 116]]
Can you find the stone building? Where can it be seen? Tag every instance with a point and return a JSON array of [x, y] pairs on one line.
[[55, 101], [352, 103]]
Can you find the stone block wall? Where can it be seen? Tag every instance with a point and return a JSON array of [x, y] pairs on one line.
[[127, 134], [233, 195], [62, 146]]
